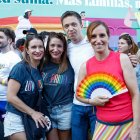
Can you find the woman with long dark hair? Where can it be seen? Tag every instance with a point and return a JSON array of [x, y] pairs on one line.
[[24, 81], [58, 78]]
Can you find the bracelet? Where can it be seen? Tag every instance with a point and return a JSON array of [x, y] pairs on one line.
[[3, 82]]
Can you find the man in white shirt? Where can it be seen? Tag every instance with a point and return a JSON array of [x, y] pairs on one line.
[[8, 58], [79, 51]]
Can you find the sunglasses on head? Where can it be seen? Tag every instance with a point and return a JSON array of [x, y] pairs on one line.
[[128, 37]]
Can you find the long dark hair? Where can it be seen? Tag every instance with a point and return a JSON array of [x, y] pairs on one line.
[[63, 63]]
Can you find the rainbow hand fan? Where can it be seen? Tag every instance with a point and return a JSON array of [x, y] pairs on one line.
[[101, 84]]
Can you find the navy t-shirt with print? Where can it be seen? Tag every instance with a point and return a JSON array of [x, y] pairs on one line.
[[58, 88], [27, 92]]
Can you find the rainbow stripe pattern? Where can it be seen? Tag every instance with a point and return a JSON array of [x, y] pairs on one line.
[[98, 81]]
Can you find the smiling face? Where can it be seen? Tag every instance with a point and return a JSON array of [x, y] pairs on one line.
[[56, 49], [35, 50], [99, 39], [73, 28], [123, 46]]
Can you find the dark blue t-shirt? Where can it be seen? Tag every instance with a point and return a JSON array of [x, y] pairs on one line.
[[58, 88], [27, 92]]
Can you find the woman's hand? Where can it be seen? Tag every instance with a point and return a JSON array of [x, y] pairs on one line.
[[135, 133], [39, 118], [99, 101], [133, 59]]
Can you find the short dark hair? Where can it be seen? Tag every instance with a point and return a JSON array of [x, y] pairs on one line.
[[71, 13], [9, 33], [20, 42]]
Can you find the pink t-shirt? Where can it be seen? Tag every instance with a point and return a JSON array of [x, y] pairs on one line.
[[119, 108]]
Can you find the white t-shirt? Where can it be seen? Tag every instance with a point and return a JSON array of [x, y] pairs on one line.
[[78, 54], [7, 61], [24, 24]]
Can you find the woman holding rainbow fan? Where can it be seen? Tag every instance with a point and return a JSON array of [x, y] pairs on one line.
[[111, 87]]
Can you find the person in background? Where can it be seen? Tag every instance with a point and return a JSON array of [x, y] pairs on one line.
[[23, 24], [19, 47], [79, 51], [118, 117], [58, 78], [44, 35], [8, 58], [127, 45], [20, 44], [83, 16], [30, 33], [21, 96], [85, 22]]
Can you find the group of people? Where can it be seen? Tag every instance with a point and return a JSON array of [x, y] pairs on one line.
[[56, 70]]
